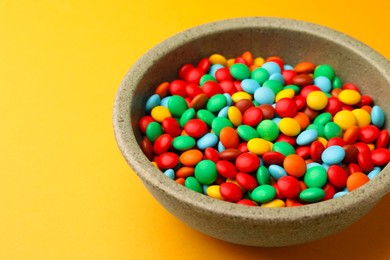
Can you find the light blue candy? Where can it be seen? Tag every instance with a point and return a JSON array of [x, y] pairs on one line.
[[153, 101], [249, 85], [276, 120], [306, 137], [277, 76], [214, 68], [312, 164], [333, 155], [271, 67], [325, 166], [288, 67], [339, 194], [170, 174], [223, 112], [277, 171], [208, 140], [221, 148], [229, 100], [264, 96], [372, 174], [377, 116], [323, 83], [164, 101], [204, 188]]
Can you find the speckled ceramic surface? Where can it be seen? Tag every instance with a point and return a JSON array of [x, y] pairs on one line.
[[294, 41]]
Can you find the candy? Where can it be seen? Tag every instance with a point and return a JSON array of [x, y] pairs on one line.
[[259, 132]]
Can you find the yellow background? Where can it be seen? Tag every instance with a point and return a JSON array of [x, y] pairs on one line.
[[65, 190]]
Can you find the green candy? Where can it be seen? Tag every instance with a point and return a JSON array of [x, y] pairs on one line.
[[153, 131], [205, 78], [315, 177], [186, 116], [216, 103], [323, 118], [312, 194], [206, 116], [274, 85], [263, 176], [177, 105], [268, 130], [240, 71], [293, 87], [193, 184], [219, 123], [336, 83], [319, 128], [260, 75], [206, 172], [324, 70], [283, 148], [247, 132], [183, 142], [263, 193], [332, 129]]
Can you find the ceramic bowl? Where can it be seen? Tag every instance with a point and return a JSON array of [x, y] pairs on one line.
[[293, 40]]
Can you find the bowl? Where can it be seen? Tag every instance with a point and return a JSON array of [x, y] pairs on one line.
[[293, 40]]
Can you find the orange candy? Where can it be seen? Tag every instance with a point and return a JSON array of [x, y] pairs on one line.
[[351, 134], [302, 119], [229, 137], [247, 56], [304, 67], [356, 180], [162, 89], [294, 165], [191, 157], [185, 172], [180, 181]]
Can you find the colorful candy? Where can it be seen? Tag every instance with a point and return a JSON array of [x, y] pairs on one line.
[[259, 132]]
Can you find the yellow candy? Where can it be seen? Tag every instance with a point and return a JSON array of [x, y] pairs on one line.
[[345, 119], [289, 126], [285, 93], [363, 118], [213, 191], [241, 95], [276, 203], [258, 146], [230, 62], [218, 59], [317, 100], [349, 96], [235, 116], [159, 113], [155, 164], [322, 140], [371, 146], [259, 61]]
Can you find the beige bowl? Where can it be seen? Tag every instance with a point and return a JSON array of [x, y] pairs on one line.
[[294, 41]]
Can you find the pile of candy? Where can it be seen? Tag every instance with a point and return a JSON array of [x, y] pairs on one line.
[[261, 132]]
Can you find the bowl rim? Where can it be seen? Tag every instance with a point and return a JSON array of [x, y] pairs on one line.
[[371, 192]]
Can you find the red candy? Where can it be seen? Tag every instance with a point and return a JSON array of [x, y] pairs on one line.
[[380, 156], [369, 133], [247, 162], [226, 169], [337, 176], [178, 87], [252, 116], [273, 158], [286, 107], [167, 160], [246, 181], [289, 187], [171, 126], [230, 192], [195, 128], [162, 144]]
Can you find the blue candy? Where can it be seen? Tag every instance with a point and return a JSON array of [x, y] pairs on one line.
[[323, 83], [277, 76], [333, 155], [250, 85], [277, 171], [271, 67], [214, 68], [377, 116], [264, 96], [153, 101], [208, 140], [306, 137]]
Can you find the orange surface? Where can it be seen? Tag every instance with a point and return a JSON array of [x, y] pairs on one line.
[[65, 190]]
